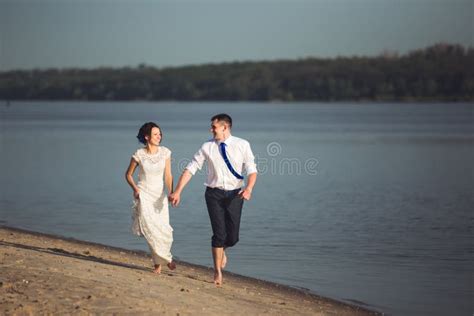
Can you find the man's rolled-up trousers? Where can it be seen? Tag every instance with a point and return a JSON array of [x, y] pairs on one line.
[[225, 210]]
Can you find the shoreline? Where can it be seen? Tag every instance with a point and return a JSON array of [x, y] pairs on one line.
[[31, 260]]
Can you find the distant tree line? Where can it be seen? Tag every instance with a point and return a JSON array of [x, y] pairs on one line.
[[442, 72]]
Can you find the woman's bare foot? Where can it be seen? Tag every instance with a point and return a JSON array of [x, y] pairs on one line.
[[171, 265], [218, 278], [224, 260], [157, 269]]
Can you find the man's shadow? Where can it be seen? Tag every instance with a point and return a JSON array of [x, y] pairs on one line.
[[64, 253]]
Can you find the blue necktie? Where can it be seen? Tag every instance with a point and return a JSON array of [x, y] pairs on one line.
[[227, 162]]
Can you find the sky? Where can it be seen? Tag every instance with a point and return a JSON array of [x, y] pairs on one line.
[[118, 33]]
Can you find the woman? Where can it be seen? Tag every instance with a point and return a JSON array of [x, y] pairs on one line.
[[150, 209]]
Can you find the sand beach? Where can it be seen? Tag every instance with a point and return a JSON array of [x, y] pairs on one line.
[[46, 274]]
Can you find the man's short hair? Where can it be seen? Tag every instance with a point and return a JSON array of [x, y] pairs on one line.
[[223, 118]]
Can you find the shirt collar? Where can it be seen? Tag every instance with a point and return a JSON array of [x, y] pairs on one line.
[[228, 141]]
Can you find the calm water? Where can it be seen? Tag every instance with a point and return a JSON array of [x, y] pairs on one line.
[[365, 202]]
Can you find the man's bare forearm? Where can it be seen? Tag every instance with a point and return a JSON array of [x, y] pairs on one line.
[[183, 181], [251, 179]]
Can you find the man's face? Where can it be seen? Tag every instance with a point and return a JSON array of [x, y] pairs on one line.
[[218, 129]]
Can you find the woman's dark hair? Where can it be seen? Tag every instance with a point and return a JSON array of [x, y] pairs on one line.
[[145, 130]]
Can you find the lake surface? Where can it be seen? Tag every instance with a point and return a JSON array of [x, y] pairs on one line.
[[371, 203]]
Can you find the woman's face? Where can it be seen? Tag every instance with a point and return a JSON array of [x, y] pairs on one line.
[[155, 137]]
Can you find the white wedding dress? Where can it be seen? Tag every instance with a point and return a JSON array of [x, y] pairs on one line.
[[150, 211]]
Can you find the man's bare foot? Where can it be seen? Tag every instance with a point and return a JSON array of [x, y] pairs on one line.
[[224, 260], [218, 278], [157, 269], [171, 265]]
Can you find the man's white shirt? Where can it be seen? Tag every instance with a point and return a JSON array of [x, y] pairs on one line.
[[219, 176]]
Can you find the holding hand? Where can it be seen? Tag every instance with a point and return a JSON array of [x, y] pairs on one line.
[[174, 198]]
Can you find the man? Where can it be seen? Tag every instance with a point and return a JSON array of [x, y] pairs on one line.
[[227, 156]]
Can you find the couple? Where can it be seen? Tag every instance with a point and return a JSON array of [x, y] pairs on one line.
[[227, 156]]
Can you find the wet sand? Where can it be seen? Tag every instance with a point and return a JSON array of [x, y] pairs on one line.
[[45, 274]]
